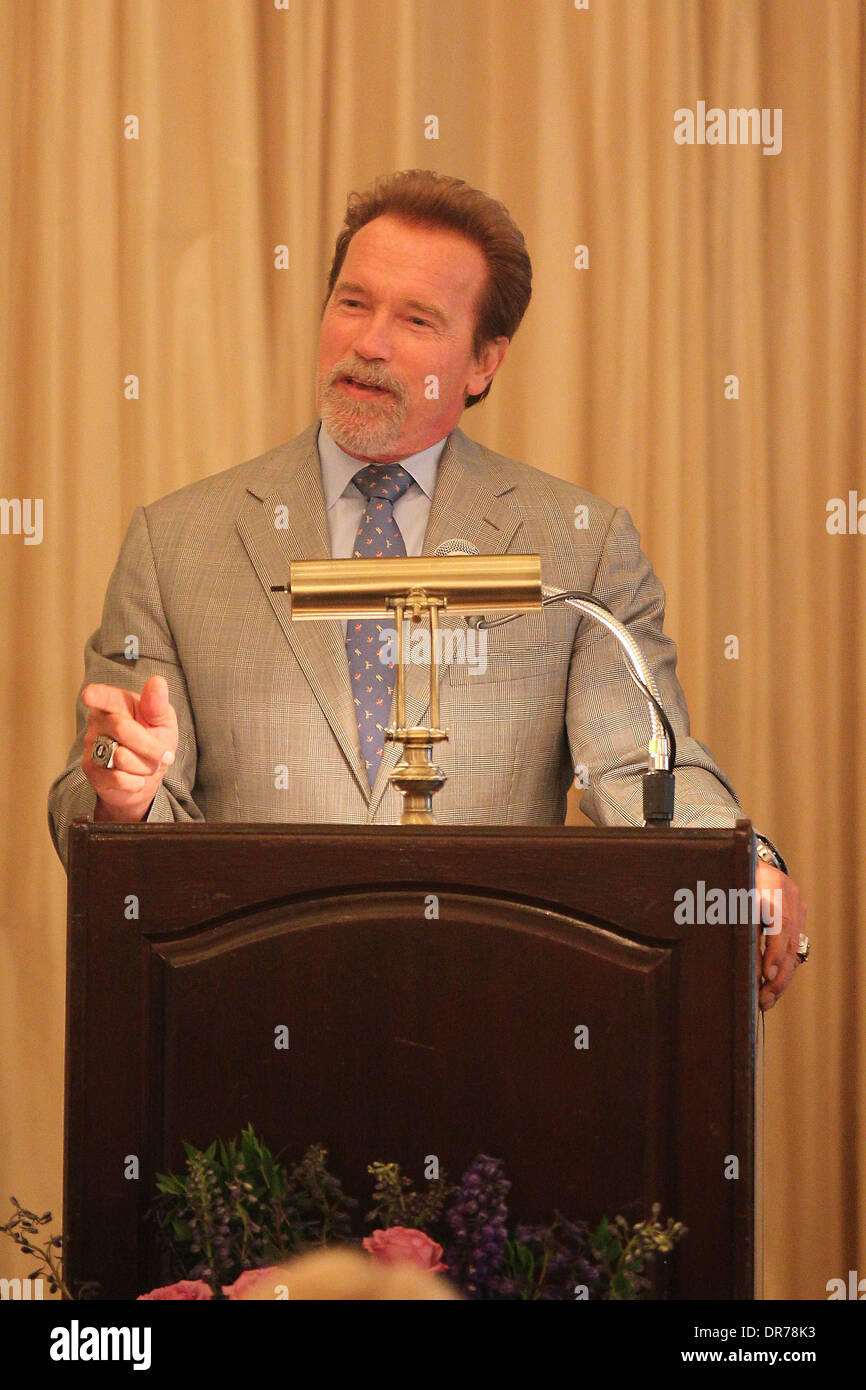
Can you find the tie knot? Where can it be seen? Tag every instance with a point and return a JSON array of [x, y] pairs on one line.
[[385, 480]]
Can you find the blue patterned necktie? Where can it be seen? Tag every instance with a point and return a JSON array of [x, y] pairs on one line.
[[372, 680]]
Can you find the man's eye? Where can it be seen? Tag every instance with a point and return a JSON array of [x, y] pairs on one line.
[[422, 323]]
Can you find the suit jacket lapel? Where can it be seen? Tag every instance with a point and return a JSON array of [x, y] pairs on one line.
[[283, 519]]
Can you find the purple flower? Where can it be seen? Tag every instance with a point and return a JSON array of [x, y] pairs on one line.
[[476, 1220]]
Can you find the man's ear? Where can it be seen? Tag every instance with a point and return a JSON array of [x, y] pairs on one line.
[[487, 364]]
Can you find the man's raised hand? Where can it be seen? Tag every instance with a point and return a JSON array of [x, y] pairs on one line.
[[145, 727]]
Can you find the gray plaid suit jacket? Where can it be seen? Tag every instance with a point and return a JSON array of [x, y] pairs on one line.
[[267, 721]]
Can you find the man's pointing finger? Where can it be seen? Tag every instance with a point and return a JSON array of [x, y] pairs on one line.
[[108, 699]]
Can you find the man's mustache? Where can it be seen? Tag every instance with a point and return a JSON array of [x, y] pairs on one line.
[[369, 375]]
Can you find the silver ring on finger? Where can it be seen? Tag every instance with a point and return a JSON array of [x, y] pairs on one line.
[[103, 751]]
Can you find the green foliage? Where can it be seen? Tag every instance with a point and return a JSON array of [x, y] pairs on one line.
[[236, 1207], [321, 1210], [522, 1266], [623, 1252], [22, 1226], [396, 1202]]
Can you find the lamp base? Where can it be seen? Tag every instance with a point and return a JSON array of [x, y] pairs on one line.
[[416, 776]]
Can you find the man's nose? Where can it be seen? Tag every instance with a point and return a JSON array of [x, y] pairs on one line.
[[373, 341]]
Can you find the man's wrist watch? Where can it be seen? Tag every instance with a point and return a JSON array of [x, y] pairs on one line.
[[766, 850]]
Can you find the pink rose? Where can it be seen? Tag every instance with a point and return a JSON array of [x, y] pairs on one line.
[[405, 1245], [247, 1278], [189, 1290]]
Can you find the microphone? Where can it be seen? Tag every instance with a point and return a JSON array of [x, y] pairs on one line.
[[459, 546], [456, 547], [658, 782]]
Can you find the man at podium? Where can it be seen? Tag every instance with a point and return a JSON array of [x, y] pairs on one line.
[[202, 700]]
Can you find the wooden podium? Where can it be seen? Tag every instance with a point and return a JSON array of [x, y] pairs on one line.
[[432, 980]]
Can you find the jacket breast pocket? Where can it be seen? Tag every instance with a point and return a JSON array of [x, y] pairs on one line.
[[522, 650]]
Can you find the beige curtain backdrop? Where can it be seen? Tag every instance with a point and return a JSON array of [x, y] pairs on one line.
[[155, 257]]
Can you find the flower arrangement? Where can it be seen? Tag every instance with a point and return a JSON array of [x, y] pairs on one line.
[[236, 1213], [236, 1207]]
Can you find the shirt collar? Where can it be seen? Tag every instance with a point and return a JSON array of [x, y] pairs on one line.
[[339, 468]]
